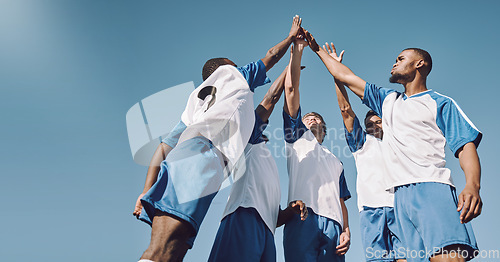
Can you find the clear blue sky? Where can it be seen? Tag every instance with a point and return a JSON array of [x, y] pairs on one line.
[[70, 71]]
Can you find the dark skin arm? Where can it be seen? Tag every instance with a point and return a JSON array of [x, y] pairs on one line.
[[337, 69], [265, 108], [469, 200], [295, 207], [276, 52], [152, 175]]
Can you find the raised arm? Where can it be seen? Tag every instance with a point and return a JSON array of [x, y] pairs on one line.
[[292, 80], [342, 98], [469, 201], [276, 52], [265, 108], [337, 69]]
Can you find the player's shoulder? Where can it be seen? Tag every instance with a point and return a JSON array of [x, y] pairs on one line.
[[441, 99]]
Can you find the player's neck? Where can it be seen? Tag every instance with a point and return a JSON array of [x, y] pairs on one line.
[[416, 86]]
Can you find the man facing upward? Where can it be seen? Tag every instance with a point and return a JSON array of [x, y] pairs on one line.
[[186, 170], [417, 125], [379, 231], [316, 177]]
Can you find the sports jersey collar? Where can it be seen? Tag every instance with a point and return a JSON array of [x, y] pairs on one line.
[[417, 94]]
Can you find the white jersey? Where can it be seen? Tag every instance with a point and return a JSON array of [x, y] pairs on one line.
[[224, 115], [315, 174], [371, 169], [257, 185], [416, 130]]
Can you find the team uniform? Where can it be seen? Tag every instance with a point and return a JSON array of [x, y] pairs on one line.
[[316, 177], [416, 130], [246, 232], [379, 231], [209, 140]]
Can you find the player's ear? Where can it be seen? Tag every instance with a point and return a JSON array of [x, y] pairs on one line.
[[420, 63]]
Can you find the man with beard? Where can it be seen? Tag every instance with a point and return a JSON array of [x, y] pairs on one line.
[[417, 125], [316, 176], [379, 231]]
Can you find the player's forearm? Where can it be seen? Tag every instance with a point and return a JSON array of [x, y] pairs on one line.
[[155, 165], [344, 105], [272, 97], [292, 80], [469, 162], [345, 216], [342, 73], [276, 52]]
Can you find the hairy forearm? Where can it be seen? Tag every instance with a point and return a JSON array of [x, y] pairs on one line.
[[469, 162], [154, 166]]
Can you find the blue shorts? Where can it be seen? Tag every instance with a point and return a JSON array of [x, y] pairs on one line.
[[244, 237], [428, 219], [189, 179], [314, 239], [380, 234]]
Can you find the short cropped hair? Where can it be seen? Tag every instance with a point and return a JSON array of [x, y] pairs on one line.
[[316, 115], [426, 56], [211, 65], [370, 114]]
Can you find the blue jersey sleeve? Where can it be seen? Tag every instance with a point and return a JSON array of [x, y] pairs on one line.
[[374, 97], [258, 128], [455, 125], [255, 74], [294, 128], [355, 139], [173, 137], [344, 191]]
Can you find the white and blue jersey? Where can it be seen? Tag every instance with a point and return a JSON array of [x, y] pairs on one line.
[[416, 130], [367, 152], [212, 128], [256, 180], [316, 176]]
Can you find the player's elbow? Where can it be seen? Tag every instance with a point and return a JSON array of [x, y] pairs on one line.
[[272, 55]]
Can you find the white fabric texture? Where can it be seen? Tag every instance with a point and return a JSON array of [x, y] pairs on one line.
[[256, 184], [371, 169], [314, 174], [226, 120]]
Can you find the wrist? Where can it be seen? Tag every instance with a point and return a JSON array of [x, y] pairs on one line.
[[473, 185]]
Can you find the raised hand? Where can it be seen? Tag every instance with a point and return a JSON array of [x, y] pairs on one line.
[[296, 29], [312, 42], [300, 208], [332, 52]]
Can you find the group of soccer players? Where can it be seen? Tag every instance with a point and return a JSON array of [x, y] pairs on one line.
[[406, 197]]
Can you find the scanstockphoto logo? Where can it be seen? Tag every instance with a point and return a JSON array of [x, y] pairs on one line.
[[151, 119]]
